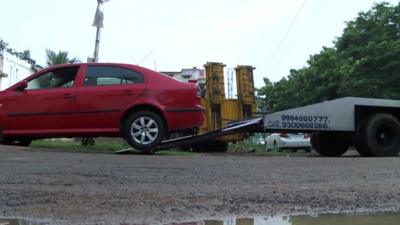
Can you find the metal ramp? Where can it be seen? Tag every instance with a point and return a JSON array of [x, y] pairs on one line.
[[248, 125]]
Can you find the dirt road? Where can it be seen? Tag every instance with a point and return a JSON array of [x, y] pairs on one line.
[[74, 188]]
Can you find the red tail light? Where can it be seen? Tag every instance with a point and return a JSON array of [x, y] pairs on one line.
[[283, 135]]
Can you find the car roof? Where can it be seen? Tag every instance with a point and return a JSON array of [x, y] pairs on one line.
[[126, 65], [98, 64]]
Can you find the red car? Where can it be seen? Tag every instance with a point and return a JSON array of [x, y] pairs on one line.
[[99, 99]]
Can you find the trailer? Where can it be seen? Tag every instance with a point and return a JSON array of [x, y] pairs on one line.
[[370, 125]]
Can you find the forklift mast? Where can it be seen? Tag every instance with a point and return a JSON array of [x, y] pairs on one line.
[[220, 111]]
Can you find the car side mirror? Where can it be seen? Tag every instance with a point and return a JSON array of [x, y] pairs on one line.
[[22, 85]]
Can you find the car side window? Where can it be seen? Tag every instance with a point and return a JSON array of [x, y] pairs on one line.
[[56, 78], [111, 75]]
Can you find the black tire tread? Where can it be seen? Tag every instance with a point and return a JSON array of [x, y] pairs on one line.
[[365, 141], [330, 144]]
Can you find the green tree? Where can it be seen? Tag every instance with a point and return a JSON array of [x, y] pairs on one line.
[[61, 57], [25, 55], [365, 62], [53, 58], [3, 45], [371, 46], [264, 101]]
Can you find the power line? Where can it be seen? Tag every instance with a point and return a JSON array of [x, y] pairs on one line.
[[145, 57], [286, 33]]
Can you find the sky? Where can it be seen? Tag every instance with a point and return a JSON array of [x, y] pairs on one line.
[[273, 36]]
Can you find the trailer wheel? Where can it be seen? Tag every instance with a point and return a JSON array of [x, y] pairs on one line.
[[330, 144], [379, 136], [143, 130], [360, 143]]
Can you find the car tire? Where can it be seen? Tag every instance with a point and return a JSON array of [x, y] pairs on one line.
[[143, 130], [379, 136], [330, 144]]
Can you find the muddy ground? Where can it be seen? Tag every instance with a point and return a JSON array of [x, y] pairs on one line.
[[75, 188]]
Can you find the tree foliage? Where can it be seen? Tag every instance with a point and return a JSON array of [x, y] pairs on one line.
[[24, 55], [364, 62], [53, 58]]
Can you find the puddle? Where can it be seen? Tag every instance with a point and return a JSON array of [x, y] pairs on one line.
[[379, 219], [329, 219], [17, 222]]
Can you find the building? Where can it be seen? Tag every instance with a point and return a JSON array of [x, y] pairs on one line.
[[186, 75], [12, 69]]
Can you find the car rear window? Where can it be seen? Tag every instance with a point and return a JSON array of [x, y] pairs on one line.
[[111, 75]]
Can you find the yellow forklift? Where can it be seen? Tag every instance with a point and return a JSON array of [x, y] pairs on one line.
[[221, 110]]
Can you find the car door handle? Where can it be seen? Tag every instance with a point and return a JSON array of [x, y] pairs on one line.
[[68, 96], [129, 92]]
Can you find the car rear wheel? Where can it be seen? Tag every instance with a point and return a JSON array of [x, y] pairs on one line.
[[144, 130]]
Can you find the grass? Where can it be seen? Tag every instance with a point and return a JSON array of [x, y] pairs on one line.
[[101, 146], [246, 146], [110, 145], [71, 145]]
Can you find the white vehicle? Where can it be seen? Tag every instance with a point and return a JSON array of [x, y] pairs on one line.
[[291, 141]]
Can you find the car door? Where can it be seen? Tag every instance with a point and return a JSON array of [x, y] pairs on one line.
[[44, 106], [105, 91]]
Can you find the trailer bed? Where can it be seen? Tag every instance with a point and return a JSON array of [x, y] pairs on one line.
[[335, 115]]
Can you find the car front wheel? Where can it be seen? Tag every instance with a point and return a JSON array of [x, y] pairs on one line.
[[143, 130]]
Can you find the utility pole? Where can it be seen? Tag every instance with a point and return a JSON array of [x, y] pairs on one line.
[[98, 23]]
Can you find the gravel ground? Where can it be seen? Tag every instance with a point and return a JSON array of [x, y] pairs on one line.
[[75, 188]]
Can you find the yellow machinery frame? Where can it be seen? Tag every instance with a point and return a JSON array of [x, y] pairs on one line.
[[219, 109]]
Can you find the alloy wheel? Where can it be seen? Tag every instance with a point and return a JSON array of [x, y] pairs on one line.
[[144, 130]]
